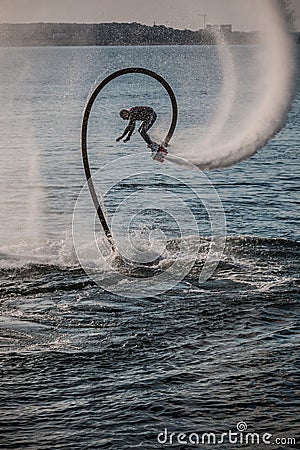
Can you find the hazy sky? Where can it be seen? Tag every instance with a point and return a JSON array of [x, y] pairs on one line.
[[175, 13]]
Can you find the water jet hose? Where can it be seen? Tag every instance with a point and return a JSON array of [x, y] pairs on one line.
[[84, 129]]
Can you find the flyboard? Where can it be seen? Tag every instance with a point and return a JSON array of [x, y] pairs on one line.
[[157, 155], [159, 152]]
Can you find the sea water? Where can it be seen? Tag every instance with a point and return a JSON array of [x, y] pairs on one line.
[[82, 367]]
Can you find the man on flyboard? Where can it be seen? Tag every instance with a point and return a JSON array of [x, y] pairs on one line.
[[147, 116]]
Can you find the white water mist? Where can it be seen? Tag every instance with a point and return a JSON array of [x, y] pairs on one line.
[[274, 87]]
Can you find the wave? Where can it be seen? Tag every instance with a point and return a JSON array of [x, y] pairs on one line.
[[246, 259]]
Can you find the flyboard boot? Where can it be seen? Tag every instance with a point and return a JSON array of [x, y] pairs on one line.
[[158, 152]]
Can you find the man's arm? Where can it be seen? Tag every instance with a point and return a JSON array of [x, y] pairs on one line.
[[128, 130]]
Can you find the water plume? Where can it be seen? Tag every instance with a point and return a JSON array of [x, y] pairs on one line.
[[274, 89]]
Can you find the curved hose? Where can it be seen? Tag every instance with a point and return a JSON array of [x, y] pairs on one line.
[[84, 129]]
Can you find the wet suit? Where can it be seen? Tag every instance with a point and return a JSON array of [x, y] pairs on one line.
[[147, 116]]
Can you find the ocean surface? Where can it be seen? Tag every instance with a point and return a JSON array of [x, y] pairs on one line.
[[92, 359]]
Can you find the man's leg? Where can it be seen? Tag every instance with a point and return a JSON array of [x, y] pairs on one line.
[[145, 126]]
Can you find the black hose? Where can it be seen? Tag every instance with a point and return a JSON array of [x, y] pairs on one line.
[[84, 128]]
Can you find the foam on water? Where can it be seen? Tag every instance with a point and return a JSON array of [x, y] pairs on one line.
[[45, 251]]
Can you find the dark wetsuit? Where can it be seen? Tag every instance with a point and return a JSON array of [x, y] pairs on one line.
[[146, 115]]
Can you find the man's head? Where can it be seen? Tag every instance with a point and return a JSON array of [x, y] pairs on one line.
[[124, 113]]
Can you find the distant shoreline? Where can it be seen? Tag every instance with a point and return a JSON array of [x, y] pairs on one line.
[[112, 34], [117, 34]]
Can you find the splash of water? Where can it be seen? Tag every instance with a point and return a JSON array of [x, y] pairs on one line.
[[228, 92], [275, 57]]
